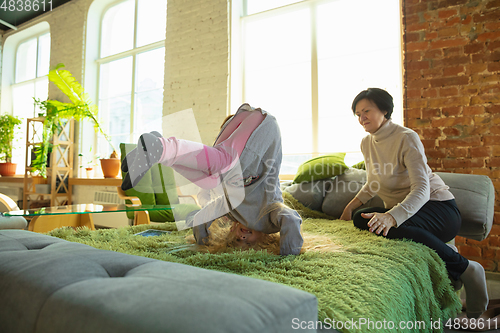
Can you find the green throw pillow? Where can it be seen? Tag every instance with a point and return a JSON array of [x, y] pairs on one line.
[[321, 167], [361, 165]]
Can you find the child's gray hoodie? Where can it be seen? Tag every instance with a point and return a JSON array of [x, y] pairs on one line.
[[260, 163]]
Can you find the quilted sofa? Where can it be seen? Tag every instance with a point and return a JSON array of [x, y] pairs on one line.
[[474, 194], [52, 285]]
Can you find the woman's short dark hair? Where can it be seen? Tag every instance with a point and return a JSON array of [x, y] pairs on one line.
[[381, 98]]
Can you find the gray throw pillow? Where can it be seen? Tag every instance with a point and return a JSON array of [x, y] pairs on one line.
[[343, 189], [475, 198], [310, 194]]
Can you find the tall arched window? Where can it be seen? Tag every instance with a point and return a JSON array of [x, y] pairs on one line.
[[305, 61], [131, 69], [26, 64]]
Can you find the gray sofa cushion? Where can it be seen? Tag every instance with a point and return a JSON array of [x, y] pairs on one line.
[[310, 194], [475, 197], [51, 285], [12, 222], [474, 194], [343, 189]]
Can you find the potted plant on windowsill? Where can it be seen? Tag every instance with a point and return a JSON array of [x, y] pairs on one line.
[[8, 124], [87, 163], [110, 166], [79, 108]]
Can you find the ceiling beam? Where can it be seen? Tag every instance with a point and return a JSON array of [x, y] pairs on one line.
[[8, 24]]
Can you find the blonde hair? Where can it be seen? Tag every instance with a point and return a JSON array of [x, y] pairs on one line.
[[222, 240]]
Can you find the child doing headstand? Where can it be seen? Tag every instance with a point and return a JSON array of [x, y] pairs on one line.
[[242, 168]]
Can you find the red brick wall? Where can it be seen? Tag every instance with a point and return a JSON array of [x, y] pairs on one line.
[[452, 79]]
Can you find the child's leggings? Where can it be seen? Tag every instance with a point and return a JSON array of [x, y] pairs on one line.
[[202, 164]]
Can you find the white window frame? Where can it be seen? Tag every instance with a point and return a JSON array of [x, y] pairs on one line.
[[37, 77], [97, 11], [9, 62], [130, 53], [237, 77]]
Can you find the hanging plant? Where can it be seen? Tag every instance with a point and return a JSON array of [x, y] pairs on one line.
[[55, 111]]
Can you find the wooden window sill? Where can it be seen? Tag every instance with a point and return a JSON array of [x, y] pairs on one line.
[[96, 181], [12, 179], [19, 179]]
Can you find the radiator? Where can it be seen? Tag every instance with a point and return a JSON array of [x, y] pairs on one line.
[[13, 192], [102, 198], [109, 220]]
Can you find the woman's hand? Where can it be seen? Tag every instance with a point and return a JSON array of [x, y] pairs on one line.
[[346, 214], [380, 222]]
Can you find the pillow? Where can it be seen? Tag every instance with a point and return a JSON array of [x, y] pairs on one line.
[[361, 165], [309, 194], [322, 167], [475, 198], [343, 189]]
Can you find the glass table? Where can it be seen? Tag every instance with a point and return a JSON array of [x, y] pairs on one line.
[[49, 218]]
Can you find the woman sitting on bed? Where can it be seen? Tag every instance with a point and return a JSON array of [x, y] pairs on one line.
[[418, 204]]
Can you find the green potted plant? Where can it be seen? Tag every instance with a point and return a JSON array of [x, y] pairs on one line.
[[8, 124], [40, 162], [87, 162], [55, 111], [110, 166]]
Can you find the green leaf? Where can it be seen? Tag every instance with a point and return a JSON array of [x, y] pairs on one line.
[[55, 111], [68, 84]]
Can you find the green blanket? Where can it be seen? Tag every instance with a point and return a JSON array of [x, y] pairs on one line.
[[370, 282]]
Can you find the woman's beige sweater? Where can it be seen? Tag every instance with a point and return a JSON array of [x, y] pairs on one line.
[[397, 171]]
